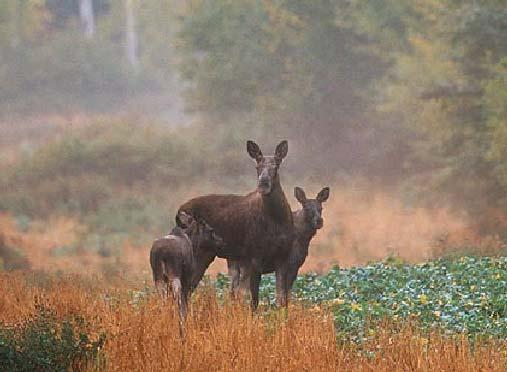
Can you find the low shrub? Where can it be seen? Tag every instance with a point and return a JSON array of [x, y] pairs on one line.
[[46, 344]]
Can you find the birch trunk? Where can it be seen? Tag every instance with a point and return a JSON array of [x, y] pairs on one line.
[[16, 10], [131, 35], [87, 18]]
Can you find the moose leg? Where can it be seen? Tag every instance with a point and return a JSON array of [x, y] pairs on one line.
[[186, 285], [255, 280], [183, 315], [159, 278], [178, 299], [281, 285], [292, 274], [160, 286], [245, 273], [201, 263], [176, 289], [233, 267]]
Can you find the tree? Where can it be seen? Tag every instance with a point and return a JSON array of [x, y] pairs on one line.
[[436, 88], [87, 18], [131, 35], [286, 62]]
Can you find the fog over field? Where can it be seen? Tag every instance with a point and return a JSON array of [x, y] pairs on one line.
[[114, 112]]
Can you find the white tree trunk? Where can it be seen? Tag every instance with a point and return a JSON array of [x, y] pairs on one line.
[[15, 10], [87, 18], [131, 35]]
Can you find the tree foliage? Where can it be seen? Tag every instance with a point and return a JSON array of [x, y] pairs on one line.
[[418, 86]]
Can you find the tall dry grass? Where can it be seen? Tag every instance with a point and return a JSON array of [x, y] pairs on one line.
[[142, 332]]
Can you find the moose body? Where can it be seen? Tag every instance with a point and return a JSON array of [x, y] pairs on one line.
[[307, 221], [257, 228], [172, 259]]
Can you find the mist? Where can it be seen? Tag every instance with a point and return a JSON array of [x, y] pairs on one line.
[[113, 113]]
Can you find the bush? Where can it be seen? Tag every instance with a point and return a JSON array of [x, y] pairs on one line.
[[46, 344]]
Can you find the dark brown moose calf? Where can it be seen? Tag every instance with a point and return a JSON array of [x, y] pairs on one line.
[[307, 221], [172, 260], [256, 228]]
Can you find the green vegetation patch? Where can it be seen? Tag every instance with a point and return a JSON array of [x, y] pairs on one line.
[[466, 295], [47, 344]]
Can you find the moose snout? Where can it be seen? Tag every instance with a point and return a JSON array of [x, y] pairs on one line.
[[318, 222], [264, 185], [264, 182]]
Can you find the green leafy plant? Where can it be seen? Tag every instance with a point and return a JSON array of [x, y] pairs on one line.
[[464, 295], [46, 344]]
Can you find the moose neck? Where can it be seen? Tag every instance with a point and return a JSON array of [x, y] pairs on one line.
[[304, 232], [275, 202]]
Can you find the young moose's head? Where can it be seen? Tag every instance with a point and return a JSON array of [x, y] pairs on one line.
[[267, 166], [312, 208], [200, 231]]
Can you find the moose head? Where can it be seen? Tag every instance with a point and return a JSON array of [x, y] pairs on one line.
[[312, 208], [267, 166]]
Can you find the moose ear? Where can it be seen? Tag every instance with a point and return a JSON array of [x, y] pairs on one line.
[[253, 150], [299, 194], [281, 151], [323, 195]]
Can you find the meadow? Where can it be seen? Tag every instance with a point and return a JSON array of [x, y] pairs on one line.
[[389, 316]]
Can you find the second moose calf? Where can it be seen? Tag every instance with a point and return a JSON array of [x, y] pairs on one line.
[[307, 221], [172, 260]]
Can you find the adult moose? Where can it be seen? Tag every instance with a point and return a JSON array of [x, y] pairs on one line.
[[256, 228], [307, 221]]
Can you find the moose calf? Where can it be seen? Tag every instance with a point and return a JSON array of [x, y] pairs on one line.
[[172, 259], [307, 221]]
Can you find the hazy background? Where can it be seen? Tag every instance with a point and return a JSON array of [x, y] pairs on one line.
[[114, 112]]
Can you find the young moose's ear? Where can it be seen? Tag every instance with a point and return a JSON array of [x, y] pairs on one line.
[[323, 195], [299, 194], [253, 150], [281, 151]]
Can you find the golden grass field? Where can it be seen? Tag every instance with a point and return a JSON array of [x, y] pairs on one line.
[[142, 332]]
